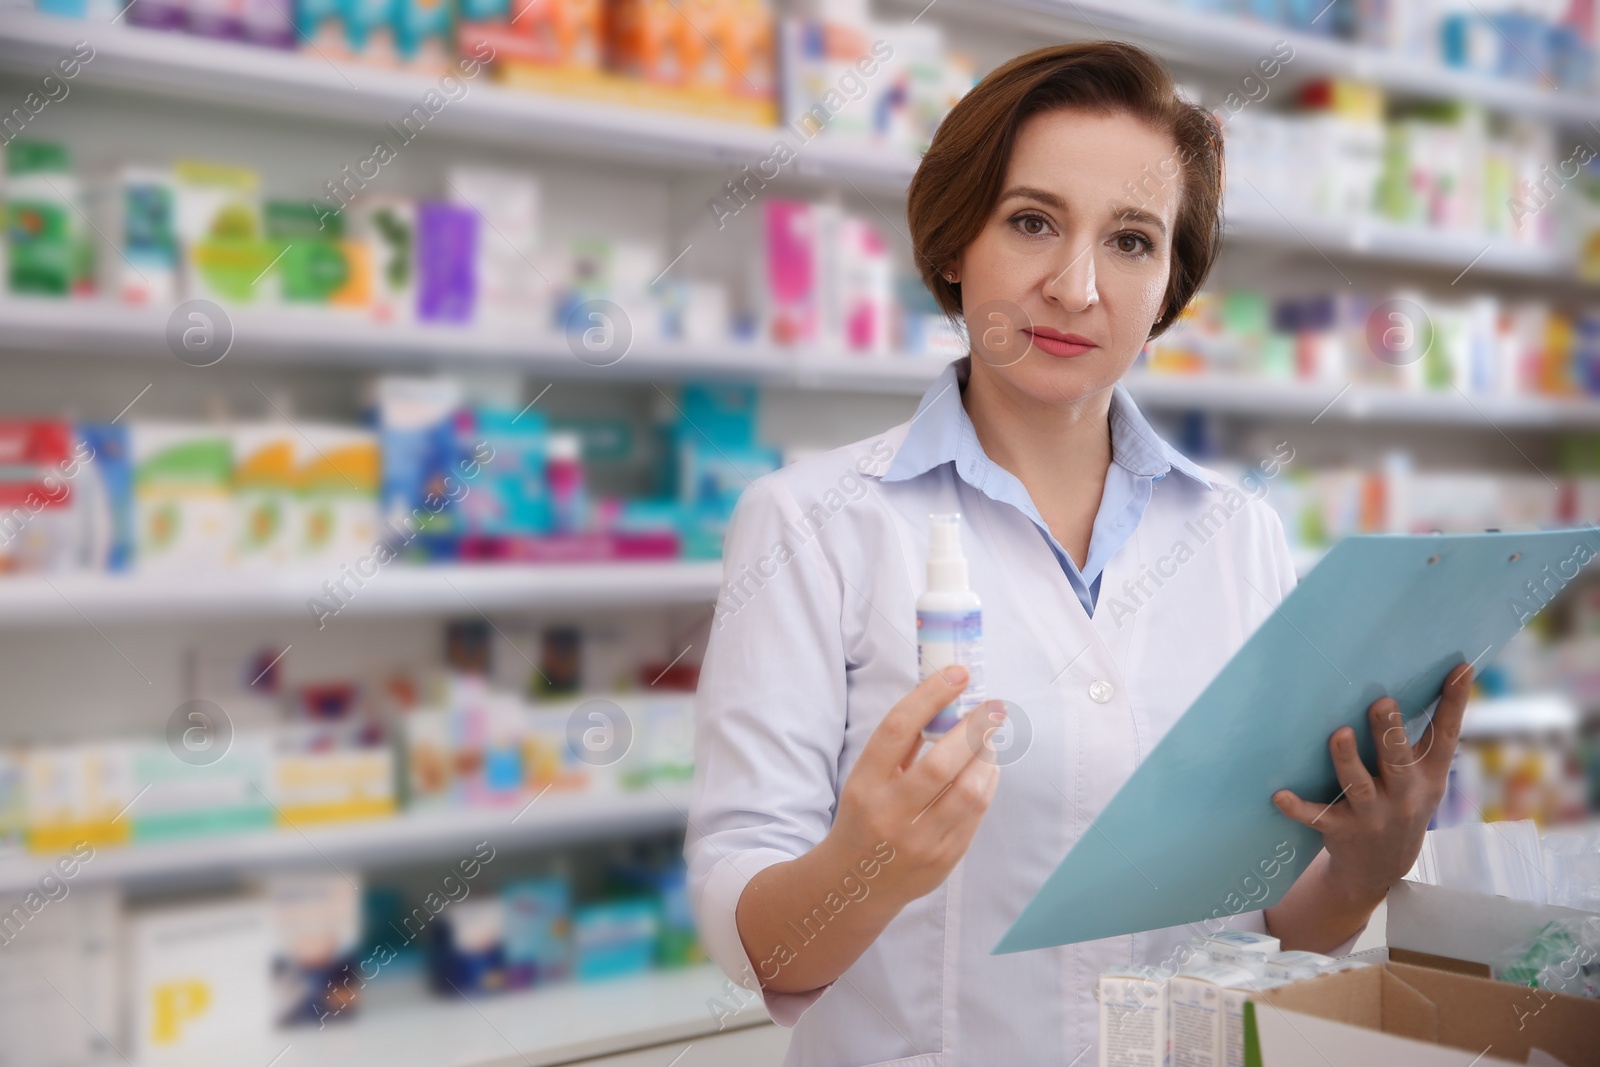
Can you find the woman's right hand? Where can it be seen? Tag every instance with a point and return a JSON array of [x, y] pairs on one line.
[[927, 808]]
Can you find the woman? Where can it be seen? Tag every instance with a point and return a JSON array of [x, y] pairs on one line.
[[1068, 208]]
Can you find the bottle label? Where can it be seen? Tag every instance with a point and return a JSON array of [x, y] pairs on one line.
[[945, 638]]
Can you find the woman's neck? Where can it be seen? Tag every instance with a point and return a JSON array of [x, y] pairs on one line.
[[1046, 445]]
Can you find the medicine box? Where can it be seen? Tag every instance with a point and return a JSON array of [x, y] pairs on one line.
[[1133, 1018]]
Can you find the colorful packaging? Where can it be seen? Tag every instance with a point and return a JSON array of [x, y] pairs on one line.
[[507, 284], [313, 263], [387, 226], [267, 506], [417, 434], [321, 784], [223, 244], [338, 504], [182, 493], [199, 979], [790, 268], [320, 24], [447, 252], [47, 250], [223, 19], [614, 938], [158, 14], [41, 524], [423, 34], [108, 497], [369, 27], [78, 794], [468, 952], [269, 23], [555, 35], [138, 208], [538, 931], [509, 496], [316, 931], [184, 799]]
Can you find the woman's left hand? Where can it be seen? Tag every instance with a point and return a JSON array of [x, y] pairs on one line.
[[1374, 829]]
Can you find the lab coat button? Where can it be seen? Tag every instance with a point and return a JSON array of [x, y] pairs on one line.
[[1100, 690]]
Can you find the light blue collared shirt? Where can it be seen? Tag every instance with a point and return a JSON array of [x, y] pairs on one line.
[[941, 432]]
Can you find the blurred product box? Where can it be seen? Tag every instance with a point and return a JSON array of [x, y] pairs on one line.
[[538, 931], [508, 285], [221, 232], [316, 926], [78, 794], [614, 938], [137, 210], [267, 507], [41, 515], [226, 796], [312, 783], [183, 504], [199, 978], [338, 484], [48, 250]]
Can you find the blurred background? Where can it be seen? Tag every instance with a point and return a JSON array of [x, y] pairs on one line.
[[379, 376]]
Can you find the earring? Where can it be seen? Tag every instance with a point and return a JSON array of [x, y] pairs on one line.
[[949, 277]]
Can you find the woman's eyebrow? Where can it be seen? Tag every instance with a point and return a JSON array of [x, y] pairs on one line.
[[1135, 214], [1051, 200], [1028, 192]]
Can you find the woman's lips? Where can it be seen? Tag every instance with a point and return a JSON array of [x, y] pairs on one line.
[[1053, 343]]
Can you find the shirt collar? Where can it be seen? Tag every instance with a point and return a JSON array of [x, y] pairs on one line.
[[941, 432]]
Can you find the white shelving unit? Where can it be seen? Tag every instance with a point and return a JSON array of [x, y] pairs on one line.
[[558, 1024], [72, 328], [565, 1024], [1232, 45], [398, 588], [304, 85], [554, 817]]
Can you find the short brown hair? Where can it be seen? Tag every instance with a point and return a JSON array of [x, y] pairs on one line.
[[959, 179]]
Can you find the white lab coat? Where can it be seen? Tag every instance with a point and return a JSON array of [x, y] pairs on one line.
[[814, 640]]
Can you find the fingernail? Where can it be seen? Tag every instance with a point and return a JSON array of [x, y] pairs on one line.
[[955, 674]]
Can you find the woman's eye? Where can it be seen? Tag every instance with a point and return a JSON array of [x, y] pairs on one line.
[[1031, 225], [1133, 243]]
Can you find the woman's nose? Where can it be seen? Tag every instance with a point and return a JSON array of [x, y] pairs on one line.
[[1073, 283]]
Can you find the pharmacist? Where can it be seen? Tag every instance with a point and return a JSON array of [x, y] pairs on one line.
[[857, 876]]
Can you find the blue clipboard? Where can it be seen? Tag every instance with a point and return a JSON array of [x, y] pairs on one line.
[[1193, 834]]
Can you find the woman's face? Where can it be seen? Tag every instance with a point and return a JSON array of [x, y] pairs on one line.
[[1062, 285]]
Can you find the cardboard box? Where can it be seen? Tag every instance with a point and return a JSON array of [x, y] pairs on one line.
[[1452, 930], [1433, 998], [1417, 1017]]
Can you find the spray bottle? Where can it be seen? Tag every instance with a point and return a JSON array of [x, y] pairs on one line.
[[949, 622]]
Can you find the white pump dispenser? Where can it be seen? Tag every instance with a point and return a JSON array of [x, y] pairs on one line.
[[949, 622]]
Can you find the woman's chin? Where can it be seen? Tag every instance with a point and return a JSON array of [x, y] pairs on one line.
[[1054, 380]]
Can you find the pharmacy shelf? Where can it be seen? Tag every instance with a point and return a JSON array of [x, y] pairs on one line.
[[1232, 47], [94, 327], [397, 589], [662, 1012], [75, 328], [553, 818], [1475, 257], [1258, 397], [1524, 713], [312, 86], [655, 1014]]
